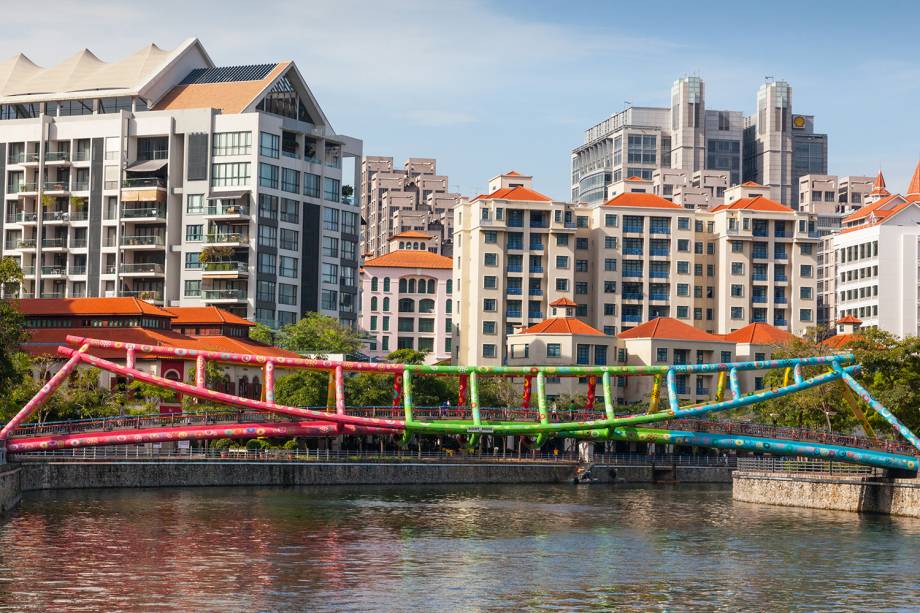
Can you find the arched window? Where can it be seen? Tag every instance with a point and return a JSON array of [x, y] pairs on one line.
[[449, 306], [244, 386], [374, 284], [386, 284], [402, 244], [431, 285], [406, 305], [386, 304], [450, 286], [402, 286], [426, 305], [411, 289], [415, 245], [373, 303]]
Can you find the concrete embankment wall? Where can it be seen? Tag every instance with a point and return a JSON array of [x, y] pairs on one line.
[[662, 474], [10, 490], [79, 475], [861, 494]]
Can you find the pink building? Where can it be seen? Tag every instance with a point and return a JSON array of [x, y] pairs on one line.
[[405, 303]]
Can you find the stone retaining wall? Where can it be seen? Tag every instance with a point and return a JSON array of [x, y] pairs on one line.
[[664, 473], [860, 494], [10, 490]]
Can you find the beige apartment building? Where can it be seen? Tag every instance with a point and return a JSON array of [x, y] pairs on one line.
[[414, 199], [635, 258]]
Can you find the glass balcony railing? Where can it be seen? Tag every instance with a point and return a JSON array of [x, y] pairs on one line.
[[54, 243], [62, 215], [144, 294], [534, 315], [80, 186], [780, 322], [239, 267], [144, 182], [24, 158], [55, 186], [78, 243], [632, 273], [658, 274], [154, 240], [632, 250], [22, 187], [632, 296], [535, 291], [78, 269], [760, 232], [780, 300], [28, 270], [632, 317], [224, 294], [759, 276], [658, 296], [228, 237], [80, 156], [142, 268], [514, 245], [760, 255], [536, 269], [759, 299], [536, 246], [659, 252], [52, 294], [146, 212], [514, 268], [780, 255], [54, 271], [228, 209], [513, 314], [57, 156], [633, 228], [22, 217], [26, 243], [514, 291], [780, 277]]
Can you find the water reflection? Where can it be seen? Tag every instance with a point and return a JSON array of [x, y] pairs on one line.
[[447, 549]]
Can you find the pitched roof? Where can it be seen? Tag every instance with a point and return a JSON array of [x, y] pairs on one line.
[[410, 258], [562, 325], [562, 302], [913, 188], [758, 333], [89, 306], [849, 319], [751, 184], [512, 173], [413, 234], [881, 208], [229, 96], [636, 178], [878, 187], [669, 328], [639, 199], [757, 203], [205, 315], [838, 341], [524, 194]]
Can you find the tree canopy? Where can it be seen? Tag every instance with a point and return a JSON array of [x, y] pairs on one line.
[[318, 334]]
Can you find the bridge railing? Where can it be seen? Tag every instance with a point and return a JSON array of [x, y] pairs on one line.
[[804, 466]]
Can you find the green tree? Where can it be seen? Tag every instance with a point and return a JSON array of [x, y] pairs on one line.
[[318, 334], [891, 373], [302, 388], [262, 334], [12, 333], [407, 356]]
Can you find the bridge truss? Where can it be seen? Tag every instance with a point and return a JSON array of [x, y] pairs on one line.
[[272, 419]]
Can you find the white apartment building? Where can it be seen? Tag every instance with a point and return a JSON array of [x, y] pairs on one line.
[[406, 303], [637, 257], [166, 177], [773, 147], [878, 263], [415, 199]]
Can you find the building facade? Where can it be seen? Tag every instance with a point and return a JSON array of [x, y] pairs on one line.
[[414, 199], [165, 177], [774, 147], [407, 303]]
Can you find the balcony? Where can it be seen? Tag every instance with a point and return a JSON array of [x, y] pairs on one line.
[[150, 295], [535, 291], [514, 291], [228, 238], [780, 255], [80, 156], [632, 317], [77, 269], [760, 232], [78, 243], [657, 274], [224, 295], [228, 269], [28, 271], [54, 243], [632, 296], [514, 268], [534, 315], [702, 391], [536, 246], [633, 228], [536, 270], [57, 187], [154, 213], [780, 277], [52, 157], [759, 276], [80, 186], [759, 299], [141, 269], [637, 274], [659, 296], [780, 323], [23, 188], [54, 271], [52, 294], [513, 314], [141, 242], [56, 216], [632, 250], [22, 217], [26, 243], [760, 255], [148, 182], [659, 252], [516, 245], [780, 300], [24, 158], [227, 210]]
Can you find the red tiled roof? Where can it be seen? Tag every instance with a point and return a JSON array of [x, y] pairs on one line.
[[669, 328], [642, 200], [751, 184], [757, 203], [562, 302], [562, 325], [880, 208], [230, 344], [758, 334], [635, 178], [412, 234], [913, 188], [205, 315], [849, 319], [879, 186], [512, 173], [410, 258], [838, 341], [88, 307], [523, 194]]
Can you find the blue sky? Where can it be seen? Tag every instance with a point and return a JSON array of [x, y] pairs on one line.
[[490, 86]]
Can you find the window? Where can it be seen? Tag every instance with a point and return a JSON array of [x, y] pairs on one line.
[[230, 175], [232, 143], [562, 285], [562, 261], [488, 350], [194, 233], [737, 247], [329, 300], [737, 291], [610, 264], [805, 314], [581, 243], [489, 304], [268, 206], [683, 223], [683, 267], [805, 270], [269, 145], [191, 260], [683, 245], [683, 289], [331, 189], [737, 313], [331, 219], [610, 221], [488, 327], [331, 250], [311, 184], [268, 175], [286, 318], [290, 180], [490, 259], [805, 248], [194, 204], [289, 239], [581, 265], [287, 294], [268, 236], [265, 291], [288, 267], [192, 288], [490, 237], [661, 354], [805, 293], [290, 210], [610, 242], [683, 312], [490, 282], [553, 350], [562, 240], [581, 287], [267, 263], [349, 250], [737, 268]]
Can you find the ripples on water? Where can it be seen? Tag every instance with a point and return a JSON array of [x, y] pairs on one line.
[[456, 548]]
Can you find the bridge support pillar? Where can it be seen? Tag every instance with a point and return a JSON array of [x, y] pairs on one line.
[[270, 382]]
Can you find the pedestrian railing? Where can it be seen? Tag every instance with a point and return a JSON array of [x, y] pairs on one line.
[[796, 465]]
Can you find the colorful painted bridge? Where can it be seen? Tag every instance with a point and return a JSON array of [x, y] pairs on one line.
[[266, 418]]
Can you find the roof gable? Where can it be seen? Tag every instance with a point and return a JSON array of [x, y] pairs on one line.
[[562, 325], [520, 193], [671, 329], [207, 88]]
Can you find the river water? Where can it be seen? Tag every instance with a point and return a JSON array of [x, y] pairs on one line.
[[451, 548]]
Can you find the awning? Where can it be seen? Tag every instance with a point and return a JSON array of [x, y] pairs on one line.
[[228, 195], [148, 166]]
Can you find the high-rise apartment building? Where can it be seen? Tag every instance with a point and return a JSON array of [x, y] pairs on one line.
[[631, 259], [166, 177], [414, 199], [772, 148]]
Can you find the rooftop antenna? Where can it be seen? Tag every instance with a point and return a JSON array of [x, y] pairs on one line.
[[627, 103], [768, 78]]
